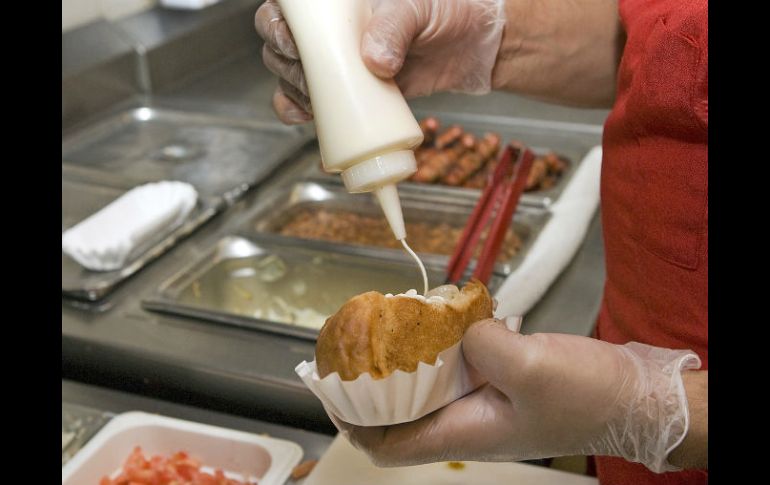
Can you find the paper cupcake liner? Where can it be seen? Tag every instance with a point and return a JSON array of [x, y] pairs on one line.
[[400, 397]]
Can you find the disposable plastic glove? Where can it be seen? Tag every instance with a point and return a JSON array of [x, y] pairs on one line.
[[548, 395], [426, 45]]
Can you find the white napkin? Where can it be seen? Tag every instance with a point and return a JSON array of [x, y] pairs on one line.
[[558, 242], [105, 240]]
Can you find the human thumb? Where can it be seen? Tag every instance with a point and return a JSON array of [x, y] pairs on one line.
[[387, 37], [501, 356]]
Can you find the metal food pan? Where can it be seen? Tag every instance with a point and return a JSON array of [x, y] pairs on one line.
[[78, 425], [282, 205], [82, 199], [269, 285], [571, 140], [217, 155]]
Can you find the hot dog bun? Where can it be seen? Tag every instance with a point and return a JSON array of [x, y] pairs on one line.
[[378, 334]]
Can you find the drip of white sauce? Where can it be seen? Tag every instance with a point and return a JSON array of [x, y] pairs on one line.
[[419, 264]]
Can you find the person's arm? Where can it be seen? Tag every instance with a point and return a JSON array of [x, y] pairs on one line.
[[693, 451], [555, 395], [562, 51]]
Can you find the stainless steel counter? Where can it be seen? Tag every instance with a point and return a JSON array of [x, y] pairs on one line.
[[244, 372]]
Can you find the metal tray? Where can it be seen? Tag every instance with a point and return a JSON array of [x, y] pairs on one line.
[[80, 200], [267, 284], [223, 158], [571, 140], [78, 425], [418, 206], [216, 155]]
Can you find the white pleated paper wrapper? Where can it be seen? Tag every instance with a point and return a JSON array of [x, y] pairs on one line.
[[402, 396], [105, 240]]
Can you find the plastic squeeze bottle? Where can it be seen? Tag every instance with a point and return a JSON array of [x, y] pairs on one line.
[[365, 128]]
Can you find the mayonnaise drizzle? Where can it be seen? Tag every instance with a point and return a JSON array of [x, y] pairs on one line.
[[419, 263], [413, 294]]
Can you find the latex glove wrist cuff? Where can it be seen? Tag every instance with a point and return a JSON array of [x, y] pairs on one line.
[[655, 419]]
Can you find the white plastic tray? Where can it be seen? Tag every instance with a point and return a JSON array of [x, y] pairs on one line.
[[240, 455]]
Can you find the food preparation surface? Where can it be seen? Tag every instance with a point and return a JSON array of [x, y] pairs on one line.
[[250, 373], [344, 465], [240, 371]]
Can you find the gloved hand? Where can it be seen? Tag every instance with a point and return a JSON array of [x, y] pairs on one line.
[[548, 395], [426, 45]]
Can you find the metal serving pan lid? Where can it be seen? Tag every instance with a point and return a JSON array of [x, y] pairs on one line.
[[215, 154]]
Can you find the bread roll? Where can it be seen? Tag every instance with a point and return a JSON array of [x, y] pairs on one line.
[[378, 334]]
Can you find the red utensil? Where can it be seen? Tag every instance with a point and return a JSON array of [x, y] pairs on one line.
[[499, 200]]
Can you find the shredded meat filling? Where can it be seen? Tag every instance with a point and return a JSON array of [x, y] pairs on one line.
[[348, 227]]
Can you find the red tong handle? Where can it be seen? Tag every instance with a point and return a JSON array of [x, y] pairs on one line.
[[501, 196], [477, 220], [500, 224]]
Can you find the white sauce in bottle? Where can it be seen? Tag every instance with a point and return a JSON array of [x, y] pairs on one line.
[[358, 116], [365, 128]]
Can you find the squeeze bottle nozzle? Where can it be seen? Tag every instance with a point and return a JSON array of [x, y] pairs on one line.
[[380, 175], [387, 196]]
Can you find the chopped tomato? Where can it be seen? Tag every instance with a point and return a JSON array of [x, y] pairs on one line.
[[178, 469]]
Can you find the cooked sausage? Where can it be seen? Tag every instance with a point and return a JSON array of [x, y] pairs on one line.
[[423, 156], [555, 164], [477, 180], [429, 127], [465, 147], [466, 166], [418, 154], [439, 164], [537, 174], [427, 171], [447, 138], [491, 166], [487, 150], [488, 146], [547, 182], [468, 141]]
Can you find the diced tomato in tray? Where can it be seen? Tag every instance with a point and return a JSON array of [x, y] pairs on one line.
[[178, 469]]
